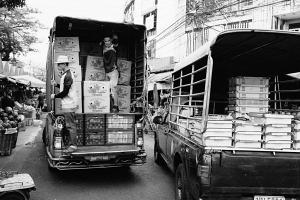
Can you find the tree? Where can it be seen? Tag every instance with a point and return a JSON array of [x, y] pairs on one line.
[[17, 29], [11, 4]]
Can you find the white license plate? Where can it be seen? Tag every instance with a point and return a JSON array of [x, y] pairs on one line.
[[269, 198], [97, 158]]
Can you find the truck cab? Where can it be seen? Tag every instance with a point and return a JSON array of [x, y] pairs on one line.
[[104, 139], [224, 140]]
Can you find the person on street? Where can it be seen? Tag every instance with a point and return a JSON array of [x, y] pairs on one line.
[[68, 99], [7, 100], [111, 70], [40, 99]]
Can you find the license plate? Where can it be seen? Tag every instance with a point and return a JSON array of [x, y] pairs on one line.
[[269, 198], [97, 158]]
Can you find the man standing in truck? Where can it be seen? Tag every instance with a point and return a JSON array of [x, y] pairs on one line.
[[111, 69], [68, 99]]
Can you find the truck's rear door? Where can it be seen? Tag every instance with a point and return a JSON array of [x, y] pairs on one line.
[[256, 172]]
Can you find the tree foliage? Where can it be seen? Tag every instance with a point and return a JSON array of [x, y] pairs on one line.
[[11, 4], [17, 31]]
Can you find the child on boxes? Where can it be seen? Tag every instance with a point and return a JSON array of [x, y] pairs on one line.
[[111, 70]]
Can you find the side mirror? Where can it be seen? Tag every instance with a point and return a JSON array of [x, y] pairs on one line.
[[157, 120]]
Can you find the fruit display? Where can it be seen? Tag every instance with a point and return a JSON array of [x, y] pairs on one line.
[[9, 118]]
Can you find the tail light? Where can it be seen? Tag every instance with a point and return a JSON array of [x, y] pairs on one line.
[[140, 136], [204, 169]]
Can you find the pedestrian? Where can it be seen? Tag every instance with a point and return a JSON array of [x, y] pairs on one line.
[[68, 99], [111, 69], [7, 100], [40, 99]]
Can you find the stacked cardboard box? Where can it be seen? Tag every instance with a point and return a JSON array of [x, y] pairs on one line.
[[94, 69], [247, 134], [68, 46], [277, 131], [124, 68], [96, 97], [123, 93], [218, 133], [248, 94]]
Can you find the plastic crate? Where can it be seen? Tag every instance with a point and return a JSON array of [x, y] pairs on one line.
[[248, 102], [94, 122], [247, 128], [120, 122], [277, 145], [218, 141], [243, 80], [247, 144], [79, 138], [120, 137], [249, 88], [248, 109], [248, 95], [277, 128], [94, 139], [248, 136], [79, 120], [6, 142], [278, 137], [278, 119], [217, 133]]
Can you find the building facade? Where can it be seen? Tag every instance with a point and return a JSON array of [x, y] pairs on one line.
[[178, 27]]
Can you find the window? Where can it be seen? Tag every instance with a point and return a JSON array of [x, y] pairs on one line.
[[237, 25], [196, 38], [150, 22]]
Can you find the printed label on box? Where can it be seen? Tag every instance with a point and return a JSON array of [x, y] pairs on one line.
[[66, 44], [97, 104], [94, 63], [95, 75], [96, 88], [123, 93], [124, 68]]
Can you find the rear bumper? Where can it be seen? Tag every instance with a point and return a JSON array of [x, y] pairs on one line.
[[81, 161], [249, 192]]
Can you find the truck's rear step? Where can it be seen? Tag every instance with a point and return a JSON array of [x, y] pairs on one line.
[[92, 150]]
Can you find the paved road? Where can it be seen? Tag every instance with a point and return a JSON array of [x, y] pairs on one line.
[[138, 183]]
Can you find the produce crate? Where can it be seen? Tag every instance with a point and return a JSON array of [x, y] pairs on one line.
[[120, 137], [120, 122], [79, 120], [248, 136], [277, 145], [249, 88], [217, 133], [243, 80], [248, 95], [248, 102], [6, 142], [218, 141], [94, 122], [278, 137], [248, 109], [247, 144], [79, 139], [95, 138]]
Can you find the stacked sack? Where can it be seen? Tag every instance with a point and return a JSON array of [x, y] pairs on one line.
[[248, 94], [218, 132], [247, 134], [68, 46], [277, 131]]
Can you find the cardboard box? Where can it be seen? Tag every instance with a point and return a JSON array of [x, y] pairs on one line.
[[77, 73], [96, 88], [123, 93], [58, 108], [96, 104], [95, 75], [124, 68], [66, 44]]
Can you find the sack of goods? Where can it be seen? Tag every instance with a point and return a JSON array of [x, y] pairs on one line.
[[248, 94]]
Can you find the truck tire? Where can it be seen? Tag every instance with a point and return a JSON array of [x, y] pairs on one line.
[[13, 196], [157, 157], [181, 190]]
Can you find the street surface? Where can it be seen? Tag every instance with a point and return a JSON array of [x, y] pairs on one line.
[[149, 181]]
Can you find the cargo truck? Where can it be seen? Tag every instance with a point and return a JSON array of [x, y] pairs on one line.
[[104, 139], [232, 127]]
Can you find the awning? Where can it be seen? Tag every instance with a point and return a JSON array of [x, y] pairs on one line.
[[32, 81]]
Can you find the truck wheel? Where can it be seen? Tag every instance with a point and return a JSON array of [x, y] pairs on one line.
[[157, 157], [13, 196], [181, 190]]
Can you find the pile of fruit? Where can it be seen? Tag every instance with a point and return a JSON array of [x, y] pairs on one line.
[[9, 118]]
